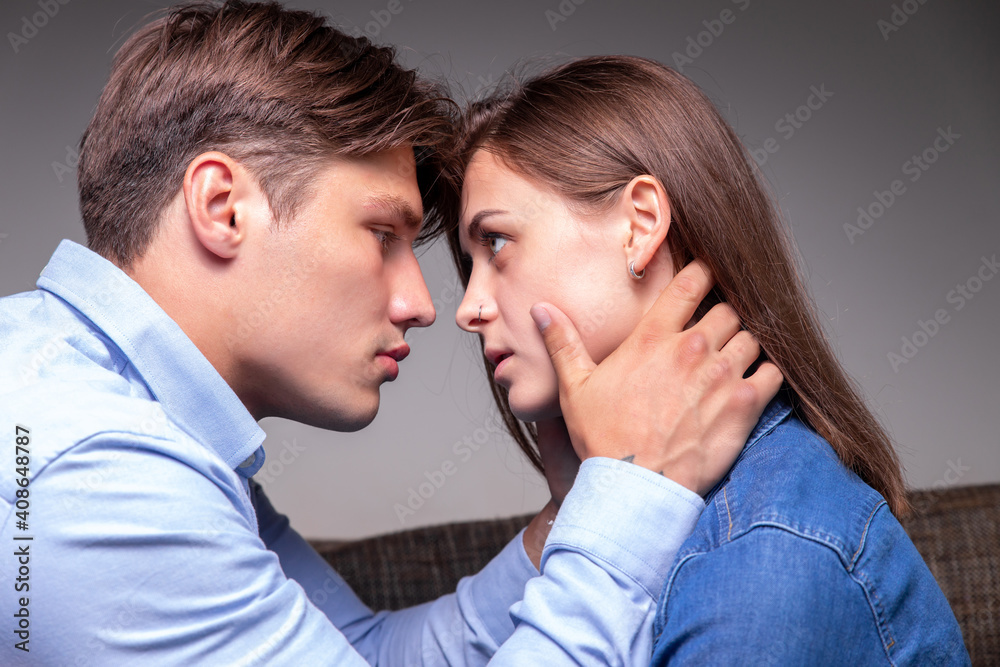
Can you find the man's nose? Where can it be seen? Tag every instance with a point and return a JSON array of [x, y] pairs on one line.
[[411, 303]]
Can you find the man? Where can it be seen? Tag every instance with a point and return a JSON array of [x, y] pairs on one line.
[[251, 197]]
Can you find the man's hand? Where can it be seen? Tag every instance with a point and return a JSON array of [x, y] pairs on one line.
[[668, 399]]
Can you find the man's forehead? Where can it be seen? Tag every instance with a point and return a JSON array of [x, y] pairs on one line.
[[394, 165], [383, 183]]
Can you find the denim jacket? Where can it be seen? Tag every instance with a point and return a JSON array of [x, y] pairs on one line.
[[797, 561]]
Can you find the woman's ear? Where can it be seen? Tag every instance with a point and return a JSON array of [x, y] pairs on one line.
[[647, 210], [210, 194]]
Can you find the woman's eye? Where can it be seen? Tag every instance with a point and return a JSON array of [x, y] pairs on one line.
[[492, 240], [495, 243]]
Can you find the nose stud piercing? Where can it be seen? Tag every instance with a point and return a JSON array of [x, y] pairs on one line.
[[480, 318]]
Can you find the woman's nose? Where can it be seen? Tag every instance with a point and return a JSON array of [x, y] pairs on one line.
[[474, 310]]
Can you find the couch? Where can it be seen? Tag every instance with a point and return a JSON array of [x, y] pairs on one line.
[[957, 530]]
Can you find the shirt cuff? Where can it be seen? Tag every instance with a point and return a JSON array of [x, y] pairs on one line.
[[499, 585], [627, 517]]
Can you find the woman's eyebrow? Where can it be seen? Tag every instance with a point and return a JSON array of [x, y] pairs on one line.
[[477, 220]]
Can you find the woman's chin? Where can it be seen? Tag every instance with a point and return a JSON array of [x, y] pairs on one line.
[[533, 411]]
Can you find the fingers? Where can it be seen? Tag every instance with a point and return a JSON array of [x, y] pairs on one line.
[[719, 325], [562, 341], [766, 381], [744, 349], [677, 303], [726, 369], [738, 355]]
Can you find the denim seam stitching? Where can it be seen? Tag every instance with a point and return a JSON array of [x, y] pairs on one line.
[[854, 576], [875, 606], [874, 602], [778, 521], [864, 534], [725, 497]]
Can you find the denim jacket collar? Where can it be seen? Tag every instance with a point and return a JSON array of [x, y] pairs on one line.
[[776, 412]]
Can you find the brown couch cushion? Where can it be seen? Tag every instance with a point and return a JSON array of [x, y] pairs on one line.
[[403, 569], [956, 530]]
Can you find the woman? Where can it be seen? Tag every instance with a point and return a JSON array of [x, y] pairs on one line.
[[588, 187]]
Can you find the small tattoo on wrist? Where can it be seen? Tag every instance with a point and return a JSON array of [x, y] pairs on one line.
[[631, 457]]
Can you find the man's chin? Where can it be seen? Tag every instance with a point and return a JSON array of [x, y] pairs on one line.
[[346, 419], [349, 423], [345, 427]]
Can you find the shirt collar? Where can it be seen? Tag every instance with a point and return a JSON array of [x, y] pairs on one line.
[[188, 387], [774, 413]]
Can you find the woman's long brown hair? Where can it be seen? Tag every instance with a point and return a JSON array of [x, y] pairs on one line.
[[586, 129]]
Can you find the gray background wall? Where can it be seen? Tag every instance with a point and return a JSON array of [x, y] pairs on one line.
[[895, 75]]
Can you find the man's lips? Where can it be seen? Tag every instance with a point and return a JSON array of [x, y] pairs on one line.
[[397, 353], [391, 359]]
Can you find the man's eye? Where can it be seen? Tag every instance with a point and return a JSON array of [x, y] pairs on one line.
[[385, 238]]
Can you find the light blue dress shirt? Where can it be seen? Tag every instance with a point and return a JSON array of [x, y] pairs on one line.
[[142, 541]]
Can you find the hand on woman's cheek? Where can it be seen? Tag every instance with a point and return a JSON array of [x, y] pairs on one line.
[[603, 317]]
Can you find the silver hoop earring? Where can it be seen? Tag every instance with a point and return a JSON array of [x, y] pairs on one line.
[[631, 271]]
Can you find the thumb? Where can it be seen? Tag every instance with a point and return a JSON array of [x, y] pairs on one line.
[[569, 357]]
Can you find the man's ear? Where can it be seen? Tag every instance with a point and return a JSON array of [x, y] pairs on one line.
[[646, 208], [211, 183]]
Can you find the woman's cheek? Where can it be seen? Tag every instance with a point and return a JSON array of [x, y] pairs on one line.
[[537, 396], [597, 323]]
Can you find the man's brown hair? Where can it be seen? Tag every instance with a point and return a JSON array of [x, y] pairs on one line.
[[278, 90]]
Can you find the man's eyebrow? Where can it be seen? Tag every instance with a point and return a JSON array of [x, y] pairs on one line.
[[395, 207]]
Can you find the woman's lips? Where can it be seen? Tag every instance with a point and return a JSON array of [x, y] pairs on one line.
[[501, 365], [499, 361], [495, 354]]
